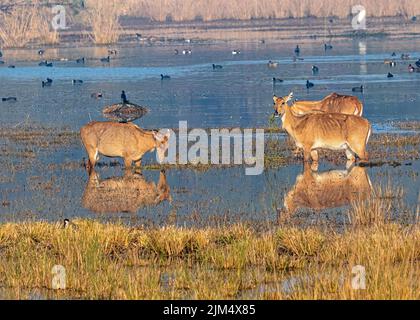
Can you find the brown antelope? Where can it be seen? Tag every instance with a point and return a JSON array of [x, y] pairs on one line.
[[330, 189], [332, 131], [124, 194], [333, 103], [124, 140]]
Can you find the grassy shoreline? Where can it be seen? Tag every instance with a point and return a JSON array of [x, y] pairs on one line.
[[113, 261]]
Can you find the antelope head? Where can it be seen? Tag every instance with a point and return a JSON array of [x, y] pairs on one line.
[[162, 143], [280, 103]]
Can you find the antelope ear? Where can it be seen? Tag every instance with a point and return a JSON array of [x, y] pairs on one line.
[[163, 135], [289, 97], [275, 98]]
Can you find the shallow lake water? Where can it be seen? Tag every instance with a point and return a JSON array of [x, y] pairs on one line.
[[239, 95]]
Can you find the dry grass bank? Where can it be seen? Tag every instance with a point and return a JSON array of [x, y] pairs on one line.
[[21, 25], [112, 261]]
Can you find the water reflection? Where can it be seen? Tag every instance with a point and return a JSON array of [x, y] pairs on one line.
[[329, 189], [128, 193]]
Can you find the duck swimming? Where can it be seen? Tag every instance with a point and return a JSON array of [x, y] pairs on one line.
[[297, 50], [47, 83], [309, 84], [418, 63], [75, 81], [315, 69], [9, 99], [390, 75], [217, 66], [277, 80], [164, 77], [235, 52], [357, 89], [327, 47], [107, 59], [80, 60], [96, 95], [272, 64]]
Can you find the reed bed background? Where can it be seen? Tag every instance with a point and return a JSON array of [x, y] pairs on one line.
[[207, 10]]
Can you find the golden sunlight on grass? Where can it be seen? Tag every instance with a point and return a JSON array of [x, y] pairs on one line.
[[115, 261]]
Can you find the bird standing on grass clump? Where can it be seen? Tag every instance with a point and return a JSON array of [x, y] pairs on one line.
[[124, 97]]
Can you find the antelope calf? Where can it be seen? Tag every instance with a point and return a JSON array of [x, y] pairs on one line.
[[332, 131], [124, 140]]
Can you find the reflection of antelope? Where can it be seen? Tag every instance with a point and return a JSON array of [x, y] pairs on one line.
[[124, 194], [333, 103], [332, 131], [125, 140], [330, 189]]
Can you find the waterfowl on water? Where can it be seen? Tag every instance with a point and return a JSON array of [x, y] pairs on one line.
[[80, 60], [297, 50], [186, 52], [357, 89], [1, 54], [327, 46], [1, 62], [309, 84], [75, 81], [9, 99], [107, 59], [295, 58], [405, 56], [393, 54], [411, 68], [176, 52], [41, 52], [315, 69], [389, 62], [418, 63], [235, 52], [217, 66], [112, 51], [11, 66], [390, 75], [272, 64], [45, 63], [47, 83], [164, 77], [277, 80], [96, 95]]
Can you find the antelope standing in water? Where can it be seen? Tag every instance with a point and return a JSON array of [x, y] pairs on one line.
[[124, 194], [329, 189], [333, 103], [332, 131], [124, 140]]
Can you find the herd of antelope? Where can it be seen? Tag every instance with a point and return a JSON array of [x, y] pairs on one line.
[[333, 123]]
